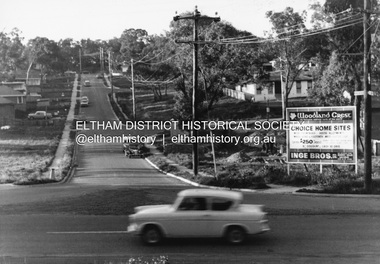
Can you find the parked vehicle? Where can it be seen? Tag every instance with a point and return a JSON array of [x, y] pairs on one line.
[[133, 150], [40, 115], [199, 213], [84, 101]]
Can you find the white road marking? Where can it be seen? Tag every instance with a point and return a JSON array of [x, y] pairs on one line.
[[88, 232]]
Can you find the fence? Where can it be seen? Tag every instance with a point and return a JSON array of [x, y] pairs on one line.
[[234, 94], [4, 122]]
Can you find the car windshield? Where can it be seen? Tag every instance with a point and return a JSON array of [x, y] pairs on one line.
[[134, 146]]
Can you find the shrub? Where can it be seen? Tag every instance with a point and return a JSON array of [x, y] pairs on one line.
[[343, 185], [182, 159], [162, 164], [277, 174], [332, 175], [234, 178], [272, 174]]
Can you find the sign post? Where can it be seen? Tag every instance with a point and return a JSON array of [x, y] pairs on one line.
[[322, 135]]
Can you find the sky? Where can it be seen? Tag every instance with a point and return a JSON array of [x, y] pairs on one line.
[[104, 20]]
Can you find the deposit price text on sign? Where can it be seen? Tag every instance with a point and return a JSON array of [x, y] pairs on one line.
[[325, 135]]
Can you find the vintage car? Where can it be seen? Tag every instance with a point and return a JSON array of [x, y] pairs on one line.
[[84, 101], [87, 83], [199, 213], [133, 150], [40, 115]]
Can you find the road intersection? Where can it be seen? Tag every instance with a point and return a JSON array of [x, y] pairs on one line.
[[84, 219]]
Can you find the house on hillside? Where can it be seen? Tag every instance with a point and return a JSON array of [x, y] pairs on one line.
[[17, 86], [7, 111], [18, 98], [270, 87], [33, 85]]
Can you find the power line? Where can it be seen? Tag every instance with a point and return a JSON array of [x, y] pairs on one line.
[[253, 37], [163, 61], [306, 34], [360, 37], [196, 17]]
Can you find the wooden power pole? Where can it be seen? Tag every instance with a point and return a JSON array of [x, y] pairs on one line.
[[367, 98], [110, 71], [196, 17]]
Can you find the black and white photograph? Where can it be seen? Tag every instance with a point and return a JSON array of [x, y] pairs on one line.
[[189, 132]]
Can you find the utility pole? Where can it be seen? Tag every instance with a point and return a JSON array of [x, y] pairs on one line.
[[80, 59], [110, 71], [194, 133], [101, 59], [133, 92], [367, 98]]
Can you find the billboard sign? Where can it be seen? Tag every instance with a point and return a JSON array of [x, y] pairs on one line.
[[323, 135]]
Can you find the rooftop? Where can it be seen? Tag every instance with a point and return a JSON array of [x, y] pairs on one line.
[[4, 101], [7, 91], [212, 193]]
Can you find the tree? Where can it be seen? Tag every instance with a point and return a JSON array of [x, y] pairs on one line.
[[36, 49], [156, 63], [183, 104], [133, 41], [69, 54], [345, 42], [114, 46], [90, 54], [11, 50], [290, 49], [329, 90], [220, 65], [225, 65]]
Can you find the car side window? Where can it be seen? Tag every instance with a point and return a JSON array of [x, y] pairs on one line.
[[193, 204], [221, 204]]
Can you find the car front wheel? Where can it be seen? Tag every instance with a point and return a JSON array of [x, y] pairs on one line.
[[151, 235], [235, 235]]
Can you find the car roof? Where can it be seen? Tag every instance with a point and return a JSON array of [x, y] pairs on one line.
[[212, 193]]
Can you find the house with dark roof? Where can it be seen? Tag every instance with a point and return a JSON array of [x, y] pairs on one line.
[[18, 98], [17, 86]]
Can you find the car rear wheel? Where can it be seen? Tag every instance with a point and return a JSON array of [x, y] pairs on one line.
[[235, 235], [151, 235]]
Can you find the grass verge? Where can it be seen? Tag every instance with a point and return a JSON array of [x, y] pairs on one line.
[[27, 149], [27, 153], [251, 167]]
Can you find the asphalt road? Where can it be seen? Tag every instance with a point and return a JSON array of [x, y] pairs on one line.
[[87, 224], [293, 239], [84, 220], [102, 162]]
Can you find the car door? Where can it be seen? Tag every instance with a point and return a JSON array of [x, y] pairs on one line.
[[191, 219], [221, 214]]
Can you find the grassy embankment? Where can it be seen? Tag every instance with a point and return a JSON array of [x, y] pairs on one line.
[[242, 165], [27, 148]]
